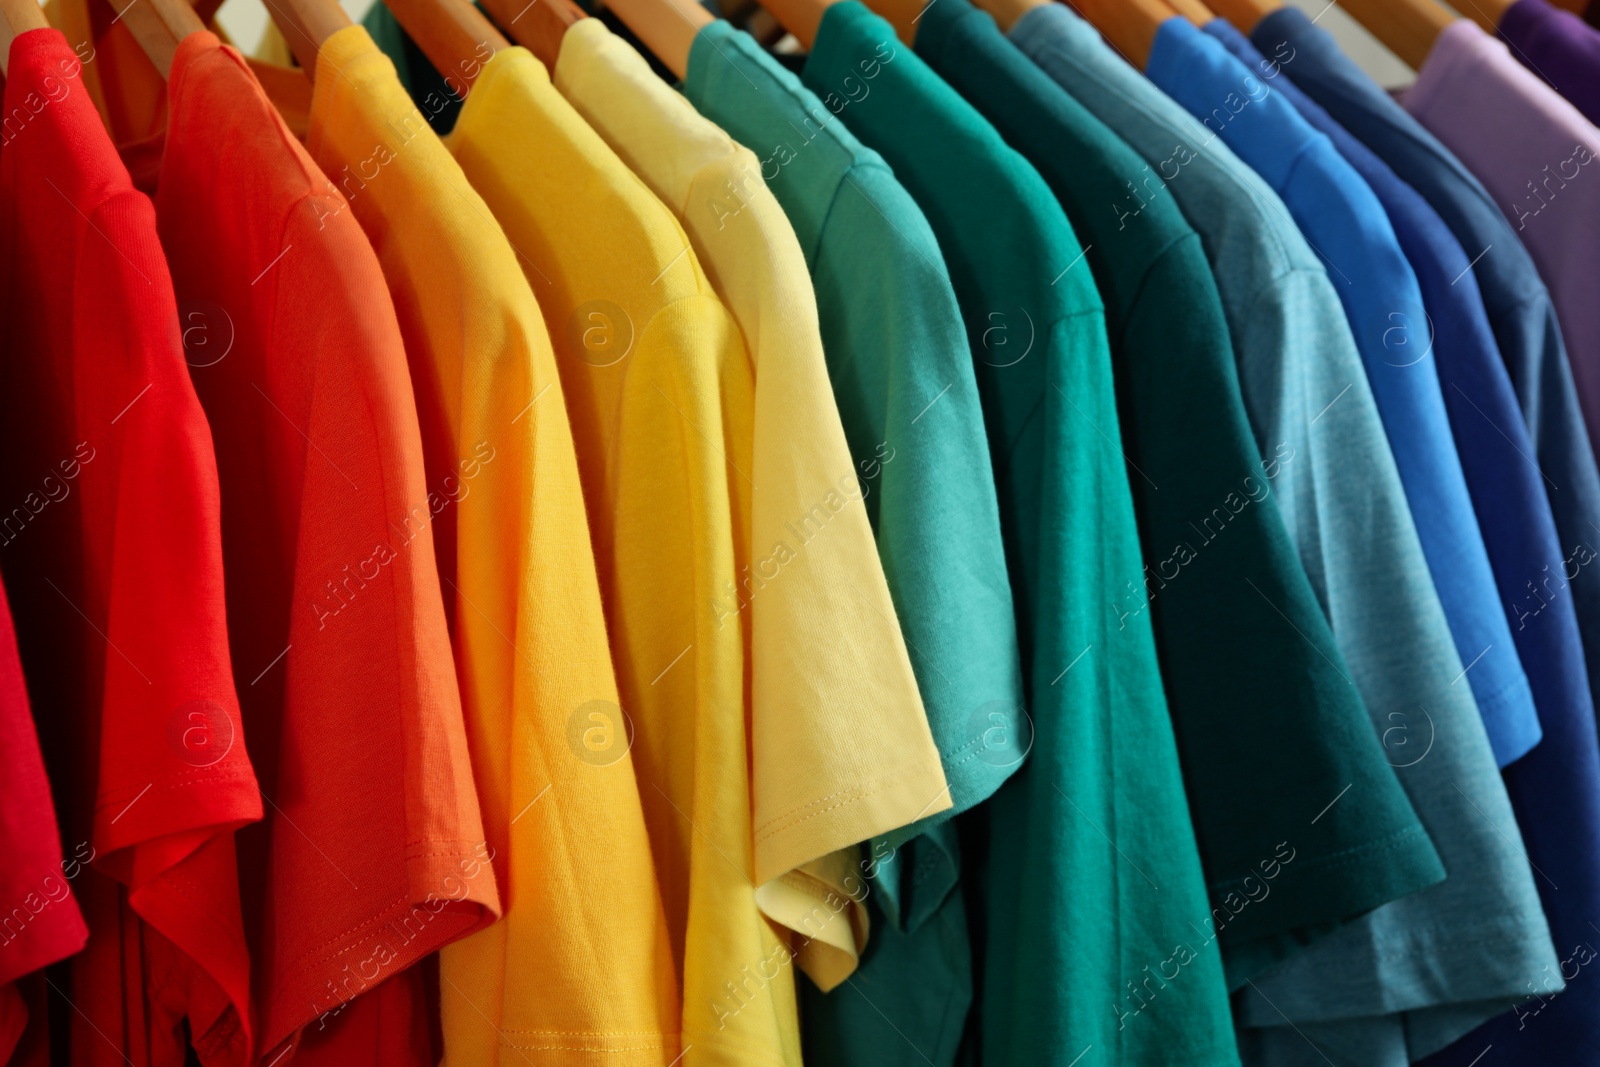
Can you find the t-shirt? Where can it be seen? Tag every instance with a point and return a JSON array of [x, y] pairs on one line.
[[1553, 788], [835, 705], [113, 560], [1239, 628], [561, 810], [1305, 388], [43, 923], [903, 380], [1530, 149], [1508, 492], [1516, 300], [1344, 223], [1559, 47], [1089, 869], [1397, 347], [374, 853], [659, 390]]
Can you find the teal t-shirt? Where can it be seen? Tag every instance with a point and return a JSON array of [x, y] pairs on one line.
[[1083, 868], [1240, 632], [903, 378], [1416, 973]]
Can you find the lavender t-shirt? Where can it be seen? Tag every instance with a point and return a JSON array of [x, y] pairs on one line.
[[1535, 154], [1559, 47]]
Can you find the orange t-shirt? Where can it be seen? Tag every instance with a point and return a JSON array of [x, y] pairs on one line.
[[372, 854]]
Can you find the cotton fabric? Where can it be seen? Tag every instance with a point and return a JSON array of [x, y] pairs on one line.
[[581, 956], [1344, 222], [1296, 358], [659, 391], [1558, 776], [338, 628], [1069, 913], [1194, 460], [1530, 149], [906, 393], [112, 556], [841, 750], [1559, 47]]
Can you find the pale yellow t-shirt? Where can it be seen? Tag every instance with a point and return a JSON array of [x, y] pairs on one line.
[[580, 969], [840, 743]]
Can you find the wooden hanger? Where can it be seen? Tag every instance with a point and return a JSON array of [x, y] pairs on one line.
[[1244, 14], [455, 36], [537, 25], [17, 17], [1129, 26], [158, 26], [305, 24], [1193, 10], [1007, 12], [1407, 28], [668, 27], [801, 17], [1487, 13]]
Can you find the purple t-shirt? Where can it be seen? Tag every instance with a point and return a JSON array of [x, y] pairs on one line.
[[1559, 47], [1535, 154]]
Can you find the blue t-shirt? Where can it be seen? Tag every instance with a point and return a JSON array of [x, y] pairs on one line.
[[1551, 599], [1376, 983], [1346, 225]]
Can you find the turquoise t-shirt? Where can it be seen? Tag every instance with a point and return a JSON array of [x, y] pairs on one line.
[[1240, 631], [1084, 866], [1413, 974], [903, 377]]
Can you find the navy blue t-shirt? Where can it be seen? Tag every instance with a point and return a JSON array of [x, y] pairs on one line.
[[1553, 596]]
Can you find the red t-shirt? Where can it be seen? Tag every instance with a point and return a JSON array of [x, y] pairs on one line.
[[372, 853], [111, 551], [39, 919]]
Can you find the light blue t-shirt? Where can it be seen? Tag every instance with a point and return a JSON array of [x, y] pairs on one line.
[[1346, 225], [1416, 973]]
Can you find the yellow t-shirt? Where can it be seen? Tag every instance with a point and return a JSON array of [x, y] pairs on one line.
[[840, 744], [660, 393], [580, 968]]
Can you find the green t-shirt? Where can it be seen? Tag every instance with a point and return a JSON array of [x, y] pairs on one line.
[[1241, 634], [1084, 863], [903, 378]]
